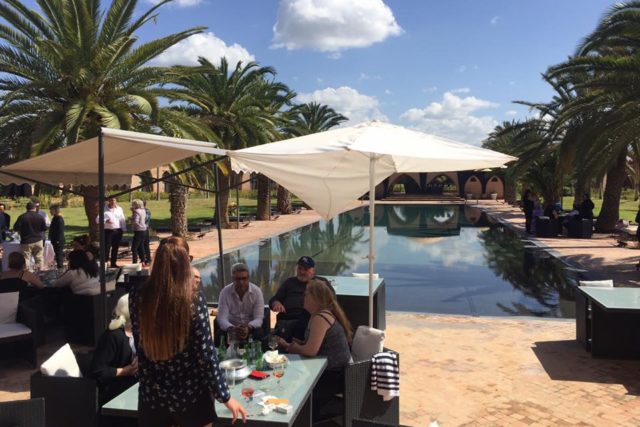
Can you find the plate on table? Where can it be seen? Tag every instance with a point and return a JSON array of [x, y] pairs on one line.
[[273, 358]]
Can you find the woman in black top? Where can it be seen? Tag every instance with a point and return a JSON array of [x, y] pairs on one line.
[[178, 364], [114, 363]]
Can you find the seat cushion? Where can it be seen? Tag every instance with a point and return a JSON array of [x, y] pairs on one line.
[[61, 364], [366, 342], [9, 307], [8, 330], [597, 283]]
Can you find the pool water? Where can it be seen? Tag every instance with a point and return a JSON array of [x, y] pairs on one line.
[[447, 259]]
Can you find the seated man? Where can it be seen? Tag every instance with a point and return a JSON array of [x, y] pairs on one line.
[[240, 307], [288, 301]]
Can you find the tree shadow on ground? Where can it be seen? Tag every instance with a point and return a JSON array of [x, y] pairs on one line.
[[568, 361]]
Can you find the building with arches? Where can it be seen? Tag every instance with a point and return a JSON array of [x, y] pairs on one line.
[[464, 184]]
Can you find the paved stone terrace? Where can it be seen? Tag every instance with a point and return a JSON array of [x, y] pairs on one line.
[[472, 371]]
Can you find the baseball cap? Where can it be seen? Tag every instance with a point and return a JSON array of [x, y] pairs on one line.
[[306, 262]]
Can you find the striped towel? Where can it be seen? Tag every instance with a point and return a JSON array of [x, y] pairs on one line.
[[385, 375]]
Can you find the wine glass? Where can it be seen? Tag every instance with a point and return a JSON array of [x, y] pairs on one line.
[[273, 341], [247, 393], [278, 371]]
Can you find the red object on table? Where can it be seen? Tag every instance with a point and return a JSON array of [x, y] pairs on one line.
[[257, 375]]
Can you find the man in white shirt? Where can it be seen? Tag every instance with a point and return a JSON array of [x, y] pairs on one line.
[[114, 225], [241, 307]]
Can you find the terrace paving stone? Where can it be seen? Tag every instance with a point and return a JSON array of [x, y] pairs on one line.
[[478, 371]]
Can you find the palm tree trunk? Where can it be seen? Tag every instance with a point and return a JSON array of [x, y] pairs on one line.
[[610, 212], [284, 200], [262, 211], [224, 182], [178, 208], [91, 210]]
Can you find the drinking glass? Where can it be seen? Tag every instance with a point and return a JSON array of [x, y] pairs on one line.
[[273, 341], [247, 393], [278, 372], [230, 373]]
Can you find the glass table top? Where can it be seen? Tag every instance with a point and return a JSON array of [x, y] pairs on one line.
[[614, 298], [353, 286]]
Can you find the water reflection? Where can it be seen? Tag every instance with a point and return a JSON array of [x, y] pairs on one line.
[[437, 258]]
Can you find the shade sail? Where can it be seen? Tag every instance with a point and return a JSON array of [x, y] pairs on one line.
[[328, 170], [125, 154]]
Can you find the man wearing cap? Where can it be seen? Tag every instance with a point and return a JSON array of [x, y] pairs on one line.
[[288, 301]]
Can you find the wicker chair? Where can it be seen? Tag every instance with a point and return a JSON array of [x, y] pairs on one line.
[[25, 333], [360, 402], [357, 422], [22, 413]]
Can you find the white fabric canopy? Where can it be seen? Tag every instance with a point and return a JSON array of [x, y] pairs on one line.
[[125, 154], [328, 170]]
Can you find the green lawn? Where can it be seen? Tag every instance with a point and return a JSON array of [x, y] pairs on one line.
[[628, 208]]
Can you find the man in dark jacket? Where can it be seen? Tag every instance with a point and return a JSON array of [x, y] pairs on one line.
[[30, 225], [5, 222], [56, 234], [288, 300]]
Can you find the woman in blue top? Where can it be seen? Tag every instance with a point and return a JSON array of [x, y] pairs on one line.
[[177, 362]]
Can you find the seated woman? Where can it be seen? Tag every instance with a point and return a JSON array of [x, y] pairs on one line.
[[81, 276], [19, 278], [114, 363], [84, 243], [18, 271], [328, 334]]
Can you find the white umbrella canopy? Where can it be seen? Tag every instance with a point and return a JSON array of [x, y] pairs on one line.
[[328, 170]]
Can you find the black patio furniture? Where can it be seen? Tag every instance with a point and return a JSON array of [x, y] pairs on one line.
[[357, 422], [22, 413], [24, 334], [546, 227], [362, 402], [580, 228], [70, 401], [84, 316]]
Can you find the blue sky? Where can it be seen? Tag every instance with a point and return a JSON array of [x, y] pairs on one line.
[[449, 67]]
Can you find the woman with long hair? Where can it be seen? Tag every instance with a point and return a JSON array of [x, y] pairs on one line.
[[81, 275], [329, 334], [177, 361]]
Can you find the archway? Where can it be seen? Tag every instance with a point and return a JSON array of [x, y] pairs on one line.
[[442, 184], [405, 184], [495, 185], [473, 187]]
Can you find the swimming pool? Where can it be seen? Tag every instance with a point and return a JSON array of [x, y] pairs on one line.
[[445, 259]]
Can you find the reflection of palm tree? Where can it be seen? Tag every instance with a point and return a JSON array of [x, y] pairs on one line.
[[535, 279]]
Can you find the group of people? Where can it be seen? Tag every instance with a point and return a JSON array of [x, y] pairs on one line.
[[533, 208], [165, 339], [115, 224]]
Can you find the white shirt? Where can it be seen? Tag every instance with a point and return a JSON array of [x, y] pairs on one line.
[[234, 311], [44, 216], [114, 219], [79, 282]]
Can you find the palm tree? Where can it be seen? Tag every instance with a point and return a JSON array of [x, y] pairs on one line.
[[238, 105], [71, 68], [604, 73], [305, 119]]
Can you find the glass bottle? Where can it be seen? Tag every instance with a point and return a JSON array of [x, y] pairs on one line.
[[222, 349]]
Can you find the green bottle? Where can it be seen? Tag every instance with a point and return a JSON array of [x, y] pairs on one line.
[[258, 353], [222, 350]]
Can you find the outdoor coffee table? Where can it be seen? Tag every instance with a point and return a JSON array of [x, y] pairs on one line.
[[353, 296], [607, 321], [297, 384]]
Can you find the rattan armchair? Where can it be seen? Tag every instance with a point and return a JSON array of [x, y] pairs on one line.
[[22, 413]]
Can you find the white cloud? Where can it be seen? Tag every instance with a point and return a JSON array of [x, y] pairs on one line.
[[180, 3], [333, 25], [430, 89], [461, 90], [511, 113], [364, 76], [388, 92], [453, 117], [206, 45], [494, 20], [347, 101], [462, 68]]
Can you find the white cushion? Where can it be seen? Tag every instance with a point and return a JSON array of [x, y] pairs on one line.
[[364, 275], [366, 342], [62, 364], [597, 283], [9, 307], [13, 330]]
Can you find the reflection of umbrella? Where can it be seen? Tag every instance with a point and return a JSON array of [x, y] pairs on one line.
[[328, 170]]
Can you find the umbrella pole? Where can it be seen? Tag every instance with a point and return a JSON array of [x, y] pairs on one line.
[[103, 255], [372, 207]]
